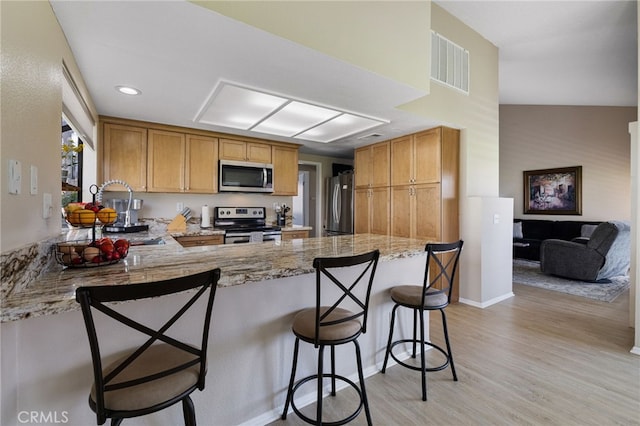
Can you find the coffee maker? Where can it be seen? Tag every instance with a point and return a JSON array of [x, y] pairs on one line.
[[127, 220]]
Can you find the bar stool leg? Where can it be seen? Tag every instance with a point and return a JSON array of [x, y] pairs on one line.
[[446, 339], [319, 396], [333, 371], [423, 363], [365, 401], [291, 381], [386, 355], [415, 340], [188, 412]]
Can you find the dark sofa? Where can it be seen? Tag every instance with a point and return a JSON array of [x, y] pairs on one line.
[[534, 231]]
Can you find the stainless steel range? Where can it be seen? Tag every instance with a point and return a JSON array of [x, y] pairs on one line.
[[245, 225]]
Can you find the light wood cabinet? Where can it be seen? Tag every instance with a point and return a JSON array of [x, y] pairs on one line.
[[372, 211], [200, 240], [427, 211], [416, 211], [292, 235], [153, 157], [201, 165], [124, 156], [165, 161], [232, 149], [416, 158], [285, 170], [371, 166], [179, 162]]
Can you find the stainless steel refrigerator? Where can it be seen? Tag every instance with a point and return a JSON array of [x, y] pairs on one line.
[[339, 193]]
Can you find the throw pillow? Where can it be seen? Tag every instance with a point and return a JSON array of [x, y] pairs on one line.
[[517, 230], [587, 230]]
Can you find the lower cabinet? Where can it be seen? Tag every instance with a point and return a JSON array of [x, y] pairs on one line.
[[292, 235], [372, 211], [200, 240], [415, 211]]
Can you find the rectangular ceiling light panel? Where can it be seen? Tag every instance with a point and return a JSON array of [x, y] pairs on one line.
[[242, 108], [294, 118], [340, 127], [239, 108]]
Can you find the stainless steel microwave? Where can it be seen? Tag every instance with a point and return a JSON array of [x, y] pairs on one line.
[[241, 176]]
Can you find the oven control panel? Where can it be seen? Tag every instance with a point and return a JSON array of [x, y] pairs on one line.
[[239, 212]]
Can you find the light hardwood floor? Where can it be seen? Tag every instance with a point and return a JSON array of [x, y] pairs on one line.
[[539, 358]]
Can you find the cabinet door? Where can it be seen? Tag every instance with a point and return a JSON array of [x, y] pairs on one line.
[[362, 167], [379, 208], [259, 153], [380, 164], [201, 174], [124, 156], [285, 170], [402, 161], [362, 211], [427, 156], [401, 210], [427, 212], [165, 161], [231, 149]]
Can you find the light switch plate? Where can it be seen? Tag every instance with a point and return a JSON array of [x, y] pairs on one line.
[[15, 177], [34, 180]]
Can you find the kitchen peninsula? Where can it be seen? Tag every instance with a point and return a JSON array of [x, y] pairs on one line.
[[261, 288]]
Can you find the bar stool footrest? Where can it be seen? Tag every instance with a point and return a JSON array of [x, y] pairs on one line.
[[417, 368], [329, 376]]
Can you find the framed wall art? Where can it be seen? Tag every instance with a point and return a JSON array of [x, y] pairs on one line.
[[553, 191]]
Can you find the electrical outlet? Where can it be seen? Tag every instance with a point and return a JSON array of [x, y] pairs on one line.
[[179, 207]]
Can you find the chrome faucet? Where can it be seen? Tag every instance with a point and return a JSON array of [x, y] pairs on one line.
[[127, 217]]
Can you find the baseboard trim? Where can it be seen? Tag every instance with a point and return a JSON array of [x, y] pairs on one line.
[[635, 350], [488, 303]]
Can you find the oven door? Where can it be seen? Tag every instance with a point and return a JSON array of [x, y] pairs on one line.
[[240, 176], [251, 237]]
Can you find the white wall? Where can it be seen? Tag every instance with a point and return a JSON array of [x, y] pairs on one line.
[[536, 137], [33, 48]]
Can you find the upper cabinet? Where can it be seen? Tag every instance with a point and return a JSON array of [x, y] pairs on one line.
[[201, 164], [256, 152], [124, 156], [153, 157], [285, 170], [179, 162], [165, 161], [415, 159], [371, 164]]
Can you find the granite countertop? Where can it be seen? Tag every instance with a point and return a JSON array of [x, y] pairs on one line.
[[54, 291]]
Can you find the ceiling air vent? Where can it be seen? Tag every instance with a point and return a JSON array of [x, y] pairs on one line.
[[449, 63], [369, 136]]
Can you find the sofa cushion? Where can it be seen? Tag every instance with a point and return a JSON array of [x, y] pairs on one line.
[[534, 229], [517, 230], [587, 230]]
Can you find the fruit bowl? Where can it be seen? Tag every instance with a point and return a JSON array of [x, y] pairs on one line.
[[86, 215], [88, 253]]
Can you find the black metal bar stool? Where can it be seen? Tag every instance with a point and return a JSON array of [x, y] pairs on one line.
[[162, 371], [433, 294], [340, 321]]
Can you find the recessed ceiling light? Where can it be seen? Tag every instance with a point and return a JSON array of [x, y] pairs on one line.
[[128, 90]]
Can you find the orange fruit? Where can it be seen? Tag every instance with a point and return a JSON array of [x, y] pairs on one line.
[[81, 217], [107, 215]]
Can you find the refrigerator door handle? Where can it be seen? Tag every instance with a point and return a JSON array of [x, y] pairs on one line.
[[336, 194], [339, 203]]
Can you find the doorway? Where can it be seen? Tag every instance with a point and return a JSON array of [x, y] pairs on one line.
[[306, 205]]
